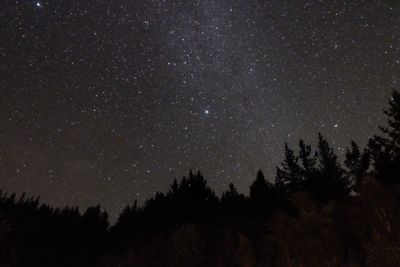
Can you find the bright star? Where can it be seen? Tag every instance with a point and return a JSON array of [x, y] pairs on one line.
[[38, 4], [206, 111]]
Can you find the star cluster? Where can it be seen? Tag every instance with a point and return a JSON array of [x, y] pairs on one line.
[[107, 101]]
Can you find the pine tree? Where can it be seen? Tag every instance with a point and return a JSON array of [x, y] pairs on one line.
[[230, 194], [262, 191], [174, 187], [357, 164], [393, 113], [329, 181], [289, 175], [258, 188], [231, 199], [385, 150], [307, 159]]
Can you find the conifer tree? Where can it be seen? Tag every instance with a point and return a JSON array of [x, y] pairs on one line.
[[231, 199], [289, 174], [262, 191], [330, 180], [258, 188], [385, 150], [230, 194], [357, 164], [308, 160]]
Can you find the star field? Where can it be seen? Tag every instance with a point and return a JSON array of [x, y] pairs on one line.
[[108, 101]]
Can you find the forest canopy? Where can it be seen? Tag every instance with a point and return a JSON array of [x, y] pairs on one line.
[[318, 211]]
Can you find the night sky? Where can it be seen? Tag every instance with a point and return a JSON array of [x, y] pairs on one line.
[[108, 101]]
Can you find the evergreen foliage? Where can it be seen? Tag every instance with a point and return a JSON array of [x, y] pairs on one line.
[[385, 150]]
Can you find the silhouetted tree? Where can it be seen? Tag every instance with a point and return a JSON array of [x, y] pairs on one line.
[[357, 164], [385, 150], [231, 198], [289, 176], [258, 188], [318, 173], [329, 181], [262, 191], [308, 160], [191, 190], [192, 198], [126, 227], [94, 228]]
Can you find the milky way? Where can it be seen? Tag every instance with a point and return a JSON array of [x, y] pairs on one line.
[[108, 101]]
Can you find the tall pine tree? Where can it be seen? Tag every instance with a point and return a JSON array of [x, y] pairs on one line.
[[289, 176], [330, 181], [385, 150], [357, 164]]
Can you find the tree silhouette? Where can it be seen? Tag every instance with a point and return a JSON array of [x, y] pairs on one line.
[[308, 160], [231, 198], [329, 181], [357, 164], [385, 150], [289, 176], [318, 173], [262, 191]]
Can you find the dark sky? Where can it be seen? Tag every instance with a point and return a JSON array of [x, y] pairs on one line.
[[108, 101]]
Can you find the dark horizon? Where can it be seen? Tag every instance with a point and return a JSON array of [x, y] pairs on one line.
[[319, 211], [106, 102]]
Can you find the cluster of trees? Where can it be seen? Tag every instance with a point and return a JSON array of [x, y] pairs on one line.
[[317, 212], [34, 234]]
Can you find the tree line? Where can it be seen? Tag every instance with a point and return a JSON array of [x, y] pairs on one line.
[[317, 212]]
